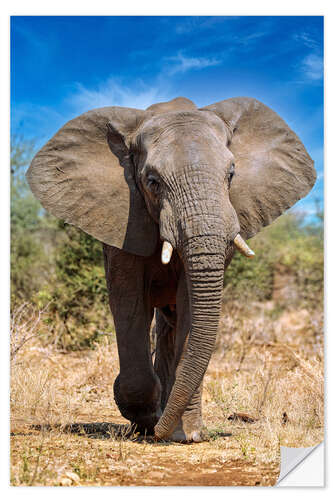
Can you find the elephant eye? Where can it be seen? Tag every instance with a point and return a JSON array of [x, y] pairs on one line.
[[152, 183], [231, 173]]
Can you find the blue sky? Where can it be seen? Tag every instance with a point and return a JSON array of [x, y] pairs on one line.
[[63, 66]]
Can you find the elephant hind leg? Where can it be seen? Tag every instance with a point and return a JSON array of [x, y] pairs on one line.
[[171, 334], [165, 356]]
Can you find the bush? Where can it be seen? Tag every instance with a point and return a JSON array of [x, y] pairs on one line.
[[288, 245], [29, 262], [250, 279], [77, 296]]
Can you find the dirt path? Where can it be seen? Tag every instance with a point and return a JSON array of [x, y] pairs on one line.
[[57, 458]]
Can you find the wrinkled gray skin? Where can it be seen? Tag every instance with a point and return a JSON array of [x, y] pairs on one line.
[[134, 179]]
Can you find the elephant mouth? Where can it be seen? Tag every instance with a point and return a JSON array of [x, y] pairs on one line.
[[238, 241]]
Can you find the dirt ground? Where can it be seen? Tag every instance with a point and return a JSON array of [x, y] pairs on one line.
[[263, 388]]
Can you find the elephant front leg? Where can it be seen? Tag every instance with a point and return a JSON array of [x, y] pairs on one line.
[[137, 389], [171, 333]]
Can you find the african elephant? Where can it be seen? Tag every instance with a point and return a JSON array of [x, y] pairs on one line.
[[170, 191]]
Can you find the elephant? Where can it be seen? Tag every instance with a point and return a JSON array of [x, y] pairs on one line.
[[171, 192]]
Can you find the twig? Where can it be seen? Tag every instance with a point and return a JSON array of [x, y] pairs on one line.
[[260, 407], [23, 332], [245, 346], [14, 351]]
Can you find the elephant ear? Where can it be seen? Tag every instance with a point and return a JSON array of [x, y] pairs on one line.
[[84, 176], [272, 167]]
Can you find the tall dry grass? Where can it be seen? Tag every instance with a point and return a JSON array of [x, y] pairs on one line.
[[267, 365], [272, 369]]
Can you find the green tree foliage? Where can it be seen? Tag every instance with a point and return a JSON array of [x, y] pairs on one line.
[[288, 246], [29, 261], [77, 296]]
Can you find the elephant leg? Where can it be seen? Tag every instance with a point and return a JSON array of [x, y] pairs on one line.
[[164, 364], [171, 333], [137, 389]]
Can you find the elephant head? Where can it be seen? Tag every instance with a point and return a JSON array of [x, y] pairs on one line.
[[196, 179]]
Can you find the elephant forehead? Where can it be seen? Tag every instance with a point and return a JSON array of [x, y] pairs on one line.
[[192, 124], [179, 103]]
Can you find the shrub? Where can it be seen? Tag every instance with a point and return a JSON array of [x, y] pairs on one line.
[[287, 244], [77, 295], [29, 262]]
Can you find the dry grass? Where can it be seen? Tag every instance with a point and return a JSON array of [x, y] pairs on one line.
[[268, 364], [273, 370]]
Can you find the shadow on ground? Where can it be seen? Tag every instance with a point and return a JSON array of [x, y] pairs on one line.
[[109, 430]]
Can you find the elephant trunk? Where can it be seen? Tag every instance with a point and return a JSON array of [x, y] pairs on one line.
[[203, 259]]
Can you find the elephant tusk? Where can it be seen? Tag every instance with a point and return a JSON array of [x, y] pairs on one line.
[[243, 247], [166, 252]]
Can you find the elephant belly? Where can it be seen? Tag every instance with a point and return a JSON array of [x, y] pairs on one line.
[[164, 281], [164, 295]]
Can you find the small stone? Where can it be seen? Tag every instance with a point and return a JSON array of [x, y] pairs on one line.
[[156, 475], [73, 476], [65, 481]]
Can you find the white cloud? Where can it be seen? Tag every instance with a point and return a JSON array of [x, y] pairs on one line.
[[112, 93], [138, 94], [307, 40], [181, 63], [313, 66], [251, 38], [44, 121]]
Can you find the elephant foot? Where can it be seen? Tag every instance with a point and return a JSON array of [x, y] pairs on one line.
[[179, 436], [145, 426], [189, 434], [139, 404]]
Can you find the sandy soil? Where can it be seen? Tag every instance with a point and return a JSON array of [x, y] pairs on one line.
[[97, 459]]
